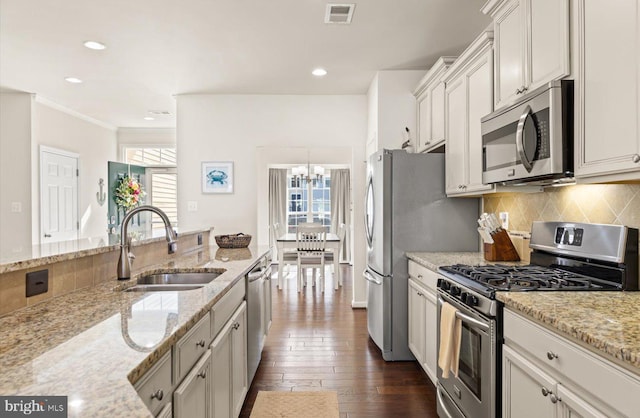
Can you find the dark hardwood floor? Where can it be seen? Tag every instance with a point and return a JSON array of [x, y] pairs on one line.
[[318, 342]]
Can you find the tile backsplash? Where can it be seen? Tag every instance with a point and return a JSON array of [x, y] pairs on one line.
[[598, 203]]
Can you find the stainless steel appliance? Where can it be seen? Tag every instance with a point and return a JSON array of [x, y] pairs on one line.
[[255, 314], [565, 257], [531, 140], [407, 210]]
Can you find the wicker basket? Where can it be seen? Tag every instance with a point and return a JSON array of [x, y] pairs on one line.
[[233, 241]]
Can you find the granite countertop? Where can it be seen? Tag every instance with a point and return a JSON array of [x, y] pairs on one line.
[[39, 255], [92, 344], [607, 323]]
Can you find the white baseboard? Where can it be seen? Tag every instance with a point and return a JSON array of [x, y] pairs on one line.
[[358, 305]]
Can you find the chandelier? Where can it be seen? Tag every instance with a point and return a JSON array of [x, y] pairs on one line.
[[303, 173]]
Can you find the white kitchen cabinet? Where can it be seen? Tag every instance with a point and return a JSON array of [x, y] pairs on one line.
[[531, 45], [166, 412], [607, 111], [154, 388], [547, 375], [229, 360], [192, 398], [423, 318], [468, 97], [430, 107]]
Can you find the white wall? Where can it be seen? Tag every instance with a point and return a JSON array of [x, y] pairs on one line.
[[94, 143], [235, 127], [15, 172], [144, 136]]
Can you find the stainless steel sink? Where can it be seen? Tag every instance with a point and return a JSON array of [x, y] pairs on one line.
[[174, 281]]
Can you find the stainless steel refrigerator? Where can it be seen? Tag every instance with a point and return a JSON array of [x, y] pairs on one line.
[[407, 210]]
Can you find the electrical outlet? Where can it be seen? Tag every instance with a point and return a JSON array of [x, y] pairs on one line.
[[16, 207], [37, 282], [504, 218], [199, 239], [192, 206]]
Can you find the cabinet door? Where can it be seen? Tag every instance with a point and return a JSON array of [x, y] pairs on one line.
[[573, 406], [416, 321], [430, 360], [607, 109], [548, 42], [239, 384], [524, 387], [424, 121], [456, 100], [509, 31], [437, 114], [268, 309], [192, 399], [221, 381], [480, 103]]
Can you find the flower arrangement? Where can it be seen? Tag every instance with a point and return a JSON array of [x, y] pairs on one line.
[[128, 193]]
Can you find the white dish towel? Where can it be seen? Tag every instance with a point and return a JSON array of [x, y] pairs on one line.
[[450, 336]]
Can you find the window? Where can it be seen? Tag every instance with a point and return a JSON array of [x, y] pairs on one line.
[[162, 179], [308, 201]]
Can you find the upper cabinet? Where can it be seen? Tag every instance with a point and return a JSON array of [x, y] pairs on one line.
[[531, 45], [468, 97], [607, 112], [430, 107], [392, 108]]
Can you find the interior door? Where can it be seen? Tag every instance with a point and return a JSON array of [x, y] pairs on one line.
[[116, 171], [58, 195]]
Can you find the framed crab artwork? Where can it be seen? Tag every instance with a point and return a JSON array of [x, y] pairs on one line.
[[217, 177]]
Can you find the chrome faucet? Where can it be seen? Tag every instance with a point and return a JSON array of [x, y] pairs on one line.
[[124, 262]]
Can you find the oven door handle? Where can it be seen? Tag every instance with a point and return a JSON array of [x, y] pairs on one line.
[[468, 319]]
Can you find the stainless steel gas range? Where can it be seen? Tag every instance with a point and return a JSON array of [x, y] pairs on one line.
[[566, 257]]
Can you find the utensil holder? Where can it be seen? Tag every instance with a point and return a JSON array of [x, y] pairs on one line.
[[502, 248]]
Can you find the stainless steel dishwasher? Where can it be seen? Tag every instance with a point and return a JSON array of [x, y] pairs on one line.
[[256, 312]]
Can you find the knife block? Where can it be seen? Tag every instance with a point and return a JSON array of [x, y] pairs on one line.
[[502, 248]]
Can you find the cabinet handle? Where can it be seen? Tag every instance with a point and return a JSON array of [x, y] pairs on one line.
[[524, 89], [236, 325], [201, 343], [202, 374], [636, 158], [551, 355], [420, 294], [545, 391], [158, 394], [49, 235], [518, 91], [419, 276], [554, 398]]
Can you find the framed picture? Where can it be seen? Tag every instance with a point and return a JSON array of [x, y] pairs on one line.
[[217, 177]]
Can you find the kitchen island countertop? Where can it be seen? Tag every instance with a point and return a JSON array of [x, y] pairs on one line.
[[87, 346]]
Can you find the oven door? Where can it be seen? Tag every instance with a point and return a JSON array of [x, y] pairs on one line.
[[473, 392]]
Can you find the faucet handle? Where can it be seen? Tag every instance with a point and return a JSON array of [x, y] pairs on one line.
[[131, 256]]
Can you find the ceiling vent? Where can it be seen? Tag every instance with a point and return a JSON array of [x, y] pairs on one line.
[[339, 13]]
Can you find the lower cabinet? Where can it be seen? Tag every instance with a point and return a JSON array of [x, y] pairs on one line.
[[192, 398], [545, 375], [423, 318], [229, 359]]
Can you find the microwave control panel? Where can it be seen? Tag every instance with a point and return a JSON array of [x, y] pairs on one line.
[[569, 236]]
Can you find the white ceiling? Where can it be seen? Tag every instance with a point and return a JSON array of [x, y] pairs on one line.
[[157, 49]]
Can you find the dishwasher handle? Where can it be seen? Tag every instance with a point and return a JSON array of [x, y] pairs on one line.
[[256, 275]]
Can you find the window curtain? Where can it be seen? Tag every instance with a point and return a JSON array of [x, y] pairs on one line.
[[277, 200], [341, 207]]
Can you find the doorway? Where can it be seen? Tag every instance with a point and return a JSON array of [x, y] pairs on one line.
[[58, 195]]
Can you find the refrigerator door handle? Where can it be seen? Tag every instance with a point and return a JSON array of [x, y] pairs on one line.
[[369, 215], [368, 277]]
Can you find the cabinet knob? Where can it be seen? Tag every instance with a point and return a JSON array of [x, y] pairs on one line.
[[200, 343], [158, 394], [202, 374], [551, 355], [236, 325], [545, 391], [419, 276], [420, 294], [524, 88], [554, 398], [636, 158]]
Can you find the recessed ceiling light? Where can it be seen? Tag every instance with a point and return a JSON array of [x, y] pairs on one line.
[[73, 80], [149, 118], [94, 45], [319, 72]]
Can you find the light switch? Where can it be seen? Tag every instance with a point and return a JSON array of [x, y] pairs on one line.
[[192, 206]]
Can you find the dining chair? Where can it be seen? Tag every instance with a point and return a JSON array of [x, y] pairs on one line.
[[310, 243], [289, 258], [330, 254]]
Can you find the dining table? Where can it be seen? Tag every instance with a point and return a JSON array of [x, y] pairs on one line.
[[288, 242]]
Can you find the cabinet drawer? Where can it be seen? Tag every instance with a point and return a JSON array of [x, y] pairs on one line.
[[588, 371], [225, 307], [423, 275], [155, 386], [190, 347]]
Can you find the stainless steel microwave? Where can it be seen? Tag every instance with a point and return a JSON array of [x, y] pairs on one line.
[[530, 141]]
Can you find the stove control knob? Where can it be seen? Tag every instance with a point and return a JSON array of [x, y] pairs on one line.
[[455, 290], [439, 283], [445, 285], [463, 297], [471, 300]]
